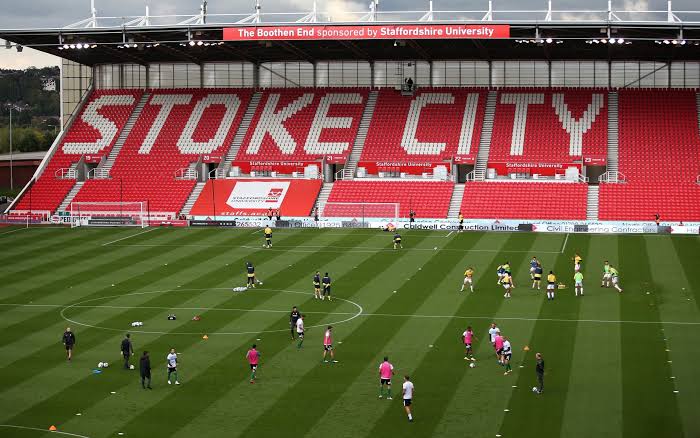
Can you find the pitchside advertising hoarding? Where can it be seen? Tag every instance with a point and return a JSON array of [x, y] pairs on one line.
[[227, 198], [367, 32]]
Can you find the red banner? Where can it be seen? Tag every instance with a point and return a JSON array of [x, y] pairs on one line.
[[93, 158], [412, 168], [285, 167], [253, 197], [545, 169], [367, 32], [211, 158], [465, 159], [598, 160], [336, 159]]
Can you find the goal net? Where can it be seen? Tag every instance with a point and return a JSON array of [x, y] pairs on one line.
[[362, 210], [109, 214]]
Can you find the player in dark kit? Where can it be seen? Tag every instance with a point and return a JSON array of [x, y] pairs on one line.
[[145, 369], [127, 350], [317, 286], [397, 241], [539, 370], [293, 318], [326, 287], [250, 269], [69, 341]]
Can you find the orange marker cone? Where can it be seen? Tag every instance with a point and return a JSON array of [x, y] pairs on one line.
[[53, 428], [205, 337]]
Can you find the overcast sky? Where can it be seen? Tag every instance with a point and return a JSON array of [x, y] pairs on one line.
[[52, 13]]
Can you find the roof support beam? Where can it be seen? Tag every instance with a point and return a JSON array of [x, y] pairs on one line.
[[355, 50]]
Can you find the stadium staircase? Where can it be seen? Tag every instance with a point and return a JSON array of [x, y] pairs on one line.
[[354, 158], [323, 197], [456, 201], [613, 145], [223, 171], [196, 191], [103, 169], [482, 157], [592, 202], [69, 197]]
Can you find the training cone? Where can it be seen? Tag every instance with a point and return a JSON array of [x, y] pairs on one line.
[[205, 337], [53, 428], [526, 348]]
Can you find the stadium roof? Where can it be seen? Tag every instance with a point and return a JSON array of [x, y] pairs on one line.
[[540, 34]]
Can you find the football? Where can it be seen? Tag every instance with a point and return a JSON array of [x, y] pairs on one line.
[[131, 367], [100, 365], [534, 389], [105, 365], [472, 365]]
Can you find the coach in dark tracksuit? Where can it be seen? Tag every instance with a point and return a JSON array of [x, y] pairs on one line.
[[539, 370], [293, 318], [69, 341], [145, 368], [127, 350]]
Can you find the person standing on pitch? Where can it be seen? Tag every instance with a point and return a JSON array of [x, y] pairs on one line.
[[293, 318], [386, 371], [127, 350], [300, 330], [328, 345], [145, 369], [250, 273], [407, 392], [69, 341], [268, 237], [326, 287], [172, 366], [253, 356], [539, 370]]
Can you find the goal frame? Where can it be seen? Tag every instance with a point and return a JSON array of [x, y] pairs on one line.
[[393, 211], [84, 212]]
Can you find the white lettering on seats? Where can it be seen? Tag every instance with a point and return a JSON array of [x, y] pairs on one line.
[[409, 141], [186, 142], [521, 101], [576, 128], [166, 102], [272, 123], [106, 127], [323, 121], [465, 135]]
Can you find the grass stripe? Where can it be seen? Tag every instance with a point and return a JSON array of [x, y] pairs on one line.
[[556, 343], [96, 338], [213, 389], [649, 408]]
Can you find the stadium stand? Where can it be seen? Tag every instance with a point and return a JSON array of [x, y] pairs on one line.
[[427, 199], [303, 125], [549, 126], [93, 132], [175, 128], [524, 200], [434, 125], [659, 154]]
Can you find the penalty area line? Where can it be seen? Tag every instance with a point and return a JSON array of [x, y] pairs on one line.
[[14, 231], [563, 246], [129, 237]]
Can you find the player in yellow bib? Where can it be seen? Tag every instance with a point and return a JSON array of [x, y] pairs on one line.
[[551, 285], [268, 237], [507, 282], [468, 279]]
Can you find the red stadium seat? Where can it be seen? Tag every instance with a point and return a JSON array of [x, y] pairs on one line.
[[524, 200], [427, 199], [93, 132], [659, 153]]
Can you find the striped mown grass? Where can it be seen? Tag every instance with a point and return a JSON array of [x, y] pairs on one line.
[[616, 364]]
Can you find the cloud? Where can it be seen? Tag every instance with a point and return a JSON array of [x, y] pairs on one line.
[[28, 58]]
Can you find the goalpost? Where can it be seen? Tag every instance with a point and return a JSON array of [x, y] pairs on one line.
[[109, 214], [384, 211]]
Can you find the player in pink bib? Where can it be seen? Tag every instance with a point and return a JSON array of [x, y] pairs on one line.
[[386, 371], [253, 357], [468, 337], [498, 345], [328, 345]]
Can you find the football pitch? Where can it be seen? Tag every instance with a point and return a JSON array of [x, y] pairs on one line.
[[616, 365]]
